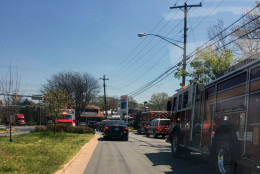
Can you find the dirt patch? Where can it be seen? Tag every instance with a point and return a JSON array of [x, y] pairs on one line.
[[4, 153]]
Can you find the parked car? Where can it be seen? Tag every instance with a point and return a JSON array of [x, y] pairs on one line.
[[97, 125], [102, 125], [83, 124], [91, 124], [116, 129], [158, 127]]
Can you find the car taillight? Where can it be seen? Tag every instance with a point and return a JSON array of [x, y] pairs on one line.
[[90, 124], [125, 128], [107, 127]]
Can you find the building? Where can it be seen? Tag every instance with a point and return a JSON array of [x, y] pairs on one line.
[[91, 113]]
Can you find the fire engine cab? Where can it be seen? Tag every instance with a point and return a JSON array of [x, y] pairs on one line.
[[67, 117]]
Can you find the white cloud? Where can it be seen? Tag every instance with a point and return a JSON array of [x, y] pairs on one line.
[[211, 11]]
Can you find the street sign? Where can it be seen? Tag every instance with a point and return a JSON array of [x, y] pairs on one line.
[[124, 103]]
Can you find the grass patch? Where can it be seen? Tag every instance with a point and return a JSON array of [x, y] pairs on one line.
[[2, 129], [131, 129], [39, 152]]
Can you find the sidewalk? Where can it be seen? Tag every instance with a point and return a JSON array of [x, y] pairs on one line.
[[78, 163]]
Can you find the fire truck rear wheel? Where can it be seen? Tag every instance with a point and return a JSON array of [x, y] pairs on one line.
[[222, 158], [175, 148]]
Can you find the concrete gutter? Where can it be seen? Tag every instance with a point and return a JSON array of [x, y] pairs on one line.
[[79, 162]]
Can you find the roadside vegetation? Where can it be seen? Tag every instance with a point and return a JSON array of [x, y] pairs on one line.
[[39, 152], [131, 129]]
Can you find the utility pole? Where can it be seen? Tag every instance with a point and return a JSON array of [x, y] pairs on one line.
[[185, 10], [105, 99]]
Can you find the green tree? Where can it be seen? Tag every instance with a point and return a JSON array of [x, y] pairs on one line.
[[158, 101], [207, 64], [57, 99]]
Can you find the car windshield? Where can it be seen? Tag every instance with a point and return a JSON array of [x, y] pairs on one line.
[[114, 122], [165, 122], [66, 117]]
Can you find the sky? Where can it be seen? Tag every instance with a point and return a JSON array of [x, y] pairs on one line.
[[39, 38]]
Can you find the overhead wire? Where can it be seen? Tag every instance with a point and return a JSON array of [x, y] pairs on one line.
[[195, 51], [163, 76], [132, 52], [145, 62]]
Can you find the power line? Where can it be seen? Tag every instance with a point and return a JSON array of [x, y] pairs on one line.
[[193, 53], [185, 10], [166, 73]]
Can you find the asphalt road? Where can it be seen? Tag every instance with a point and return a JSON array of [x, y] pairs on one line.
[[20, 130], [141, 155]]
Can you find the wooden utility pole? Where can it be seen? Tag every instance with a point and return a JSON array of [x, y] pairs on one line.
[[105, 99], [185, 9]]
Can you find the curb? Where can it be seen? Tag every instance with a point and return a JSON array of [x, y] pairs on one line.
[[79, 162]]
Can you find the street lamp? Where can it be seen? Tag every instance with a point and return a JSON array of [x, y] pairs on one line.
[[169, 40], [162, 37]]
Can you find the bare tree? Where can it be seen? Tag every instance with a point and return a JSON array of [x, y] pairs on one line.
[[81, 88], [247, 34], [217, 34], [9, 86]]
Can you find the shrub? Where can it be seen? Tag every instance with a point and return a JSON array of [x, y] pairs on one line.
[[50, 127], [62, 127], [40, 129], [70, 129]]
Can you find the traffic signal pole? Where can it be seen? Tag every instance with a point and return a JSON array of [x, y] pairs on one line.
[[185, 9]]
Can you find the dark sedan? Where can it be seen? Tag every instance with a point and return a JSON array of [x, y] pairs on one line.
[[116, 129]]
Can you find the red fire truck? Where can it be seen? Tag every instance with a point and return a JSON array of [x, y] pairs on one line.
[[67, 117], [19, 119], [147, 117], [220, 119]]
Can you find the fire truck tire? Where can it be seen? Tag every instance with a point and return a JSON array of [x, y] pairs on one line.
[[222, 159], [175, 148], [155, 135]]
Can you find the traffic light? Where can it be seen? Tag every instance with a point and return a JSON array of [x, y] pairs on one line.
[[1, 102], [16, 95]]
